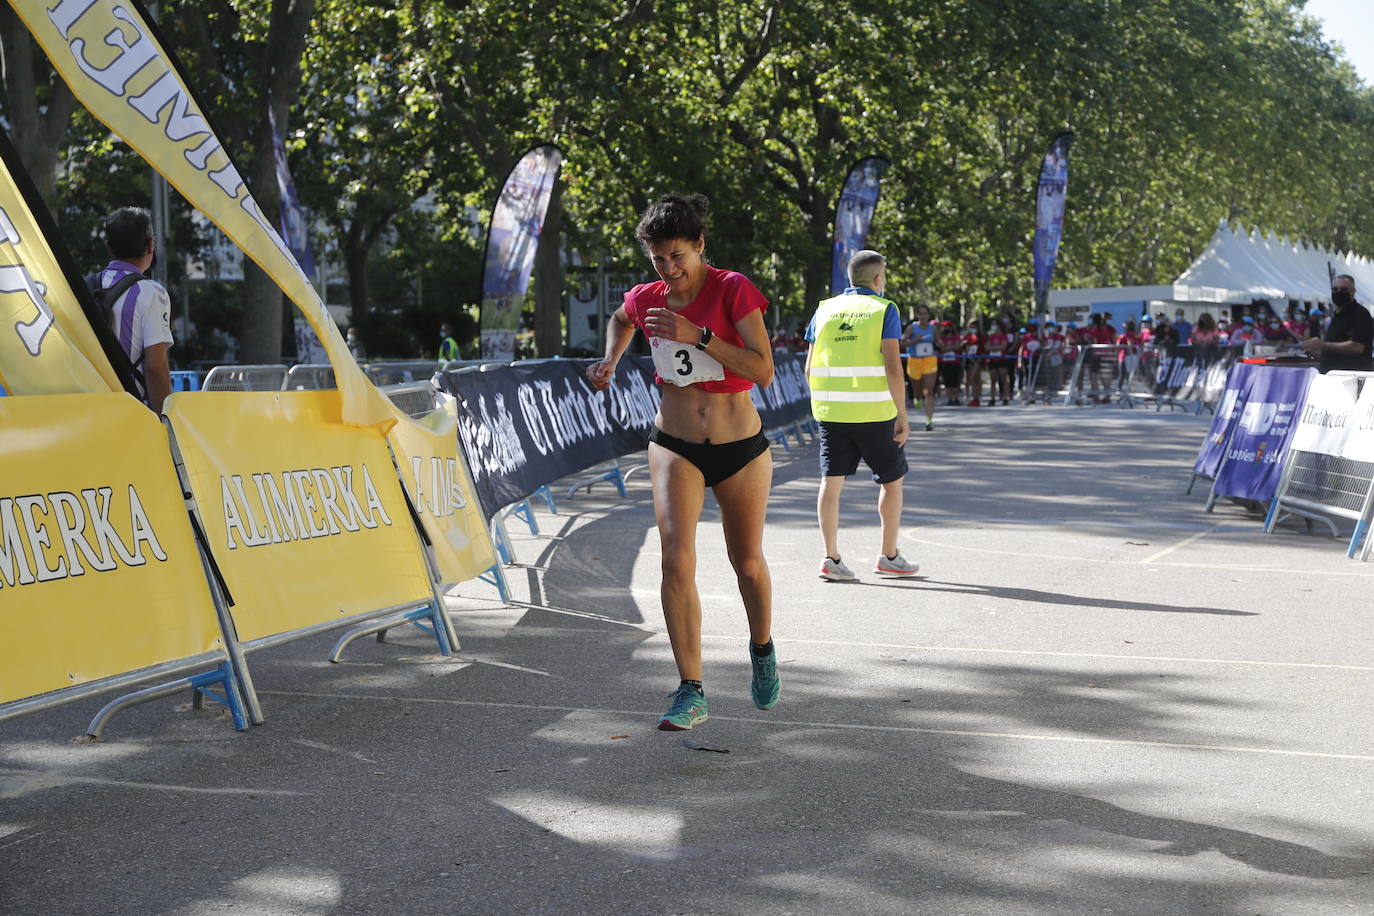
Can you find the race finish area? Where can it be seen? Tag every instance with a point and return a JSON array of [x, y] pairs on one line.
[[1090, 677]]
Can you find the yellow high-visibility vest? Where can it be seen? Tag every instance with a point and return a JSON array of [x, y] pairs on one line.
[[848, 377]]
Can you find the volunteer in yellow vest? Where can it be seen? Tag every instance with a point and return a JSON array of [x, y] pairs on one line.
[[858, 394]]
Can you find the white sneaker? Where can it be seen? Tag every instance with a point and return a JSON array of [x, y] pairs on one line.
[[836, 571], [896, 566]]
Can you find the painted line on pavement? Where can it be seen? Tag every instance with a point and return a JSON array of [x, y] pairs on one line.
[[838, 726], [972, 649], [1021, 554], [1183, 543]]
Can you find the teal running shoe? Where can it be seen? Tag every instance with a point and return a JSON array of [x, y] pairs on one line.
[[766, 685], [688, 710]]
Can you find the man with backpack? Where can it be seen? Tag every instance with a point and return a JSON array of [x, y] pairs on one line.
[[138, 308]]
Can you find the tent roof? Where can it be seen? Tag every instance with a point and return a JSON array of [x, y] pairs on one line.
[[1237, 267], [1254, 266]]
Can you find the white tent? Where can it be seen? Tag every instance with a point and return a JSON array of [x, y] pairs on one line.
[[1236, 268]]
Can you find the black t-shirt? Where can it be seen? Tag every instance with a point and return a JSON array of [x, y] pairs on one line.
[[1351, 323]]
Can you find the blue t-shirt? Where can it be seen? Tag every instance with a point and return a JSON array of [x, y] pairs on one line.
[[920, 335], [892, 322]]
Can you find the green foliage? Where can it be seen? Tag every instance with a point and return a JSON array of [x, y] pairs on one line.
[[1186, 112]]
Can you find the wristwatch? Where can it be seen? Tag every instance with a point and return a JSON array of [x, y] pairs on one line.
[[706, 336]]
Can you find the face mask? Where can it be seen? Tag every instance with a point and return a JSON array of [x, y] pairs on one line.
[[1341, 296]]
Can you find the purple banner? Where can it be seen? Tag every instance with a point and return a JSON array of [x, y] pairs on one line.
[[1223, 421], [516, 224], [1049, 214], [293, 219], [854, 215], [1269, 405]]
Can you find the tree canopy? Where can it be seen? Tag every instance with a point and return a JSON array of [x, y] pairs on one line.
[[1186, 112]]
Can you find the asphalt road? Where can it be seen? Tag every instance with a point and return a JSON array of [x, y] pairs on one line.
[[1095, 698]]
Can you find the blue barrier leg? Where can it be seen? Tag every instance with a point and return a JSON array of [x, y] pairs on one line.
[[525, 512], [428, 620], [499, 538], [546, 495], [224, 677], [1360, 530], [1269, 517], [495, 575], [615, 476]]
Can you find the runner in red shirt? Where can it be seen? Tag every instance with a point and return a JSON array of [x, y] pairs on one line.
[[1057, 350], [972, 345], [951, 366], [998, 348], [1129, 344], [1100, 360]]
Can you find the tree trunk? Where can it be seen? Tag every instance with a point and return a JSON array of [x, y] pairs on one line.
[[355, 252], [548, 280], [260, 337], [261, 330], [37, 134], [817, 270]]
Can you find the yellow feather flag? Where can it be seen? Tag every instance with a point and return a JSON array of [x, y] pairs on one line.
[[108, 53], [47, 345]]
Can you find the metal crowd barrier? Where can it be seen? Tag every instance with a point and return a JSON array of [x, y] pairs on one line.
[[1318, 487], [398, 373], [185, 380], [245, 378], [309, 377], [414, 400]]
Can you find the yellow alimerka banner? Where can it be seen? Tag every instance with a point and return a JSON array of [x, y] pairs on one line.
[[437, 479], [304, 515], [106, 52], [99, 572], [46, 342]]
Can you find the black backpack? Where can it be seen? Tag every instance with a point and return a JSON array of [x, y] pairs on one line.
[[105, 299]]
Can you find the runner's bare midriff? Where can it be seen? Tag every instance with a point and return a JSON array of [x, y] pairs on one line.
[[694, 415]]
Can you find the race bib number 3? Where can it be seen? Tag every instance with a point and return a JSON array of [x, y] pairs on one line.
[[683, 364]]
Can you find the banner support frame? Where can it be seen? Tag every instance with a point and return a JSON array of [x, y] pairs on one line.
[[219, 589]]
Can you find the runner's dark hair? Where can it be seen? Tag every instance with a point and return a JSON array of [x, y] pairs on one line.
[[674, 216]]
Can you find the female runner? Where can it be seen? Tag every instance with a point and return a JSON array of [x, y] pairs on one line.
[[921, 362], [998, 346], [973, 364], [951, 371], [710, 348]]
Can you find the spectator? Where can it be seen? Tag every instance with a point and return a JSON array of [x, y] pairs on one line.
[[1273, 332], [1316, 323], [1206, 338], [1297, 325], [1182, 325], [355, 345], [1349, 337], [139, 307], [1147, 331], [448, 347]]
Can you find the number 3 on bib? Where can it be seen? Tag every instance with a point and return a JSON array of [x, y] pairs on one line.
[[683, 364]]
